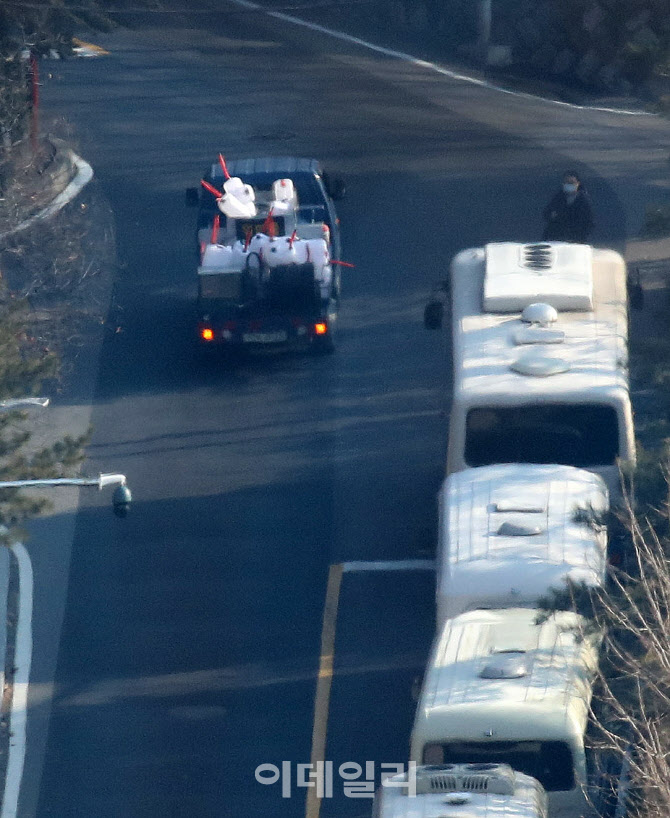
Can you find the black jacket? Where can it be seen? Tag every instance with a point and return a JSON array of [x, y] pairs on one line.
[[568, 222]]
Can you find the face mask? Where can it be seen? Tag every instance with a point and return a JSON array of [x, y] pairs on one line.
[[570, 188]]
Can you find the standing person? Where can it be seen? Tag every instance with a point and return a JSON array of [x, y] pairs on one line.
[[568, 216]]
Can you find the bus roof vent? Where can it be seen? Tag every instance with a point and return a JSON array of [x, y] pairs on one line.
[[503, 506], [494, 778], [539, 366], [519, 274], [510, 529], [537, 335], [539, 313], [458, 799], [538, 256], [465, 778], [508, 664]]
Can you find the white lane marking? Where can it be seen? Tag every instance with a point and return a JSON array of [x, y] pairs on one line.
[[446, 72], [388, 565], [23, 653]]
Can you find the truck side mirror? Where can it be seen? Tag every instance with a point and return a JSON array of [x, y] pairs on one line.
[[635, 291], [337, 190], [335, 187], [432, 315], [192, 196]]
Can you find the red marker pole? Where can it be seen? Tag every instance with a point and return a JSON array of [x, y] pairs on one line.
[[215, 230], [269, 226], [35, 95], [211, 189], [222, 162]]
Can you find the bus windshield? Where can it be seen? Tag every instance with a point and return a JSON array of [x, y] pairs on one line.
[[550, 762], [582, 435]]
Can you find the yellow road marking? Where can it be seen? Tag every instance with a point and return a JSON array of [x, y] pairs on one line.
[[89, 46], [324, 683]]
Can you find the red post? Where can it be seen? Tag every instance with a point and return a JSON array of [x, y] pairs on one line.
[[215, 230], [34, 120], [270, 226], [222, 162], [211, 189]]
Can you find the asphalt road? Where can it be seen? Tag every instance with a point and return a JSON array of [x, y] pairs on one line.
[[190, 644]]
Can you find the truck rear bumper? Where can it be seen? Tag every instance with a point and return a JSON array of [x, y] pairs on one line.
[[298, 334]]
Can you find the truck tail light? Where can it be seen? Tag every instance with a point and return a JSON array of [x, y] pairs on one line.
[[207, 334], [320, 328]]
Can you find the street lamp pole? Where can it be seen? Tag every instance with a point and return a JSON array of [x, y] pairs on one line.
[[100, 481], [121, 498], [122, 495], [485, 23]]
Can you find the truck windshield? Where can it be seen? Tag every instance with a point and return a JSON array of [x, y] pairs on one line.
[[585, 435], [550, 762]]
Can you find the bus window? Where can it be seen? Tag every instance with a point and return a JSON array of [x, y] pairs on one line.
[[584, 435]]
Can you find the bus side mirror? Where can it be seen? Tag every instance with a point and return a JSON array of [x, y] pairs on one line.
[[192, 196], [432, 315], [635, 291]]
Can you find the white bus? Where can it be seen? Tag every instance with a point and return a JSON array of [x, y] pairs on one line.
[[540, 374], [460, 791], [509, 533], [501, 689]]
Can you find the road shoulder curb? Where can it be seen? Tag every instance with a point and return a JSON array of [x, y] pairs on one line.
[[83, 173], [10, 591]]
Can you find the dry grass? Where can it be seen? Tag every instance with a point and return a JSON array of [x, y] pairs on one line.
[[54, 267]]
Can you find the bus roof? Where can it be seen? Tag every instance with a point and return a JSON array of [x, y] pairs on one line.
[[582, 357], [500, 674], [511, 532]]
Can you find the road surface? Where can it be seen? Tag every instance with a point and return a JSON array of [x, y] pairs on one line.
[[192, 631]]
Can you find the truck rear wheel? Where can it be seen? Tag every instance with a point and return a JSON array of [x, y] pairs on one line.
[[323, 346]]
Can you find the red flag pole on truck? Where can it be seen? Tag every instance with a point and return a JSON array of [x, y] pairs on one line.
[[215, 230], [224, 168]]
